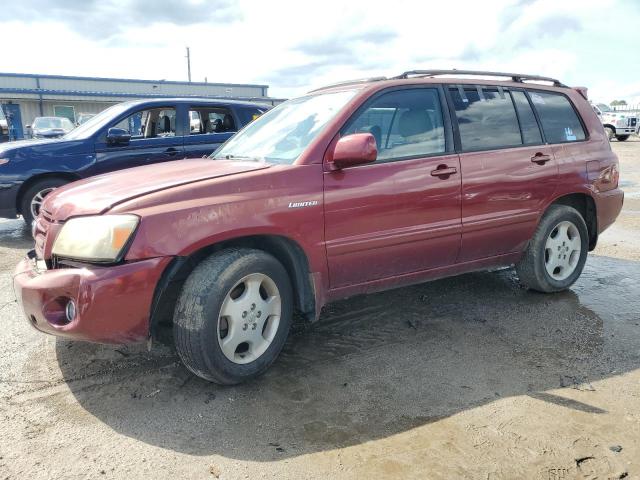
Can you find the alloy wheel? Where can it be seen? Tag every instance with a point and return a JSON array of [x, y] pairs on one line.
[[38, 198]]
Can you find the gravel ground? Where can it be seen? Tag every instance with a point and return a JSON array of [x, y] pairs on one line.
[[467, 377]]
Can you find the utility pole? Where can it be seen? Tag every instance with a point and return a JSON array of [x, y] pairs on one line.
[[189, 64]]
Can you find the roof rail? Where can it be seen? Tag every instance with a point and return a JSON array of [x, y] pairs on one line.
[[350, 82], [516, 77]]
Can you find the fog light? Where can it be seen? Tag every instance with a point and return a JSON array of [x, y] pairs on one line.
[[70, 310]]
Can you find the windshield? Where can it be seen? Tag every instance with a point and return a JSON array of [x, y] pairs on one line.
[[604, 108], [94, 124], [282, 134], [52, 122]]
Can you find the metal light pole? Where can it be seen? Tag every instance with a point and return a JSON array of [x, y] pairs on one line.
[[189, 64]]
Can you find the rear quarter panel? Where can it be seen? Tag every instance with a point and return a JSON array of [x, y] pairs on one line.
[[580, 163]]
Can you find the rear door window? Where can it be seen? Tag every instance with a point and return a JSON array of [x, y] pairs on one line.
[[404, 123], [559, 120], [211, 120], [528, 123], [486, 119], [248, 115]]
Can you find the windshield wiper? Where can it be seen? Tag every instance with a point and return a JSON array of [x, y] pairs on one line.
[[239, 157]]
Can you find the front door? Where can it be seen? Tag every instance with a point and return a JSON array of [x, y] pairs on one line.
[[400, 214], [154, 138], [508, 173]]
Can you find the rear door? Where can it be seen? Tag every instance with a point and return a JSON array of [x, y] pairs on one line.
[[400, 214], [509, 174], [155, 137], [209, 127]]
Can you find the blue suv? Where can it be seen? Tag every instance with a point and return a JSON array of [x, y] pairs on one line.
[[125, 135]]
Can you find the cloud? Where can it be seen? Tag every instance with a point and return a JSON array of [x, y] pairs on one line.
[[296, 75], [101, 19], [333, 50], [295, 48], [344, 48], [512, 12], [551, 26]]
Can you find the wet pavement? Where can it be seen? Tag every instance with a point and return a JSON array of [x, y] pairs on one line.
[[466, 377]]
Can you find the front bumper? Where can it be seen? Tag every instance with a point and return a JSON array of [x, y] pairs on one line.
[[9, 199], [625, 131], [112, 303]]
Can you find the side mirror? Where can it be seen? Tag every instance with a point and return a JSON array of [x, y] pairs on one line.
[[118, 136], [354, 149]]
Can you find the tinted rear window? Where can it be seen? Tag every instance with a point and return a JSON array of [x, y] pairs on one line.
[[249, 114], [487, 119], [530, 130], [559, 120]]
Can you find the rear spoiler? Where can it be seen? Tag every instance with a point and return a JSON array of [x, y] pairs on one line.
[[582, 91]]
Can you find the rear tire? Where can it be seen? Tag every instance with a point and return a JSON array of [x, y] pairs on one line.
[[233, 315], [557, 251], [622, 138], [33, 197]]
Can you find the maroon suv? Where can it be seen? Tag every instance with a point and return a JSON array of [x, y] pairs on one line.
[[350, 189]]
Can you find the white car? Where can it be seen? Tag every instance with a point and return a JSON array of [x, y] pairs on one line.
[[618, 125], [50, 127]]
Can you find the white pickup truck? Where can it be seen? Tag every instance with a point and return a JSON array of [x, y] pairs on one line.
[[617, 124]]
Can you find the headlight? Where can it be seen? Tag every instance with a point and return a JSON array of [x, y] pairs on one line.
[[3, 161], [101, 238]]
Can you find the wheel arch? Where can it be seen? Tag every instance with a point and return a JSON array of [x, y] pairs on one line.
[[287, 251], [71, 177], [586, 206]]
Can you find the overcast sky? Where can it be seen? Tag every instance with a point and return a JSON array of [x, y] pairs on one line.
[[294, 46]]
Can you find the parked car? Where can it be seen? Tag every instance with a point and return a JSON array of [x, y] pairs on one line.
[[350, 189], [125, 135], [50, 127], [618, 125], [83, 117]]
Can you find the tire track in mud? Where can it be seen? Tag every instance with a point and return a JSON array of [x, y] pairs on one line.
[[355, 328], [115, 372]]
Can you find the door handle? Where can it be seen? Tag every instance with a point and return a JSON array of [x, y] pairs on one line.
[[540, 158], [443, 171], [171, 151]]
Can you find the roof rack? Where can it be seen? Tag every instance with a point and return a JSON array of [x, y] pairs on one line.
[[350, 82], [516, 77]]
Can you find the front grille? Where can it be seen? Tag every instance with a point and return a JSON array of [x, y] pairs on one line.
[[43, 224]]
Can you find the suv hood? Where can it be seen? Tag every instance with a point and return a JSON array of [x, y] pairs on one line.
[[99, 194]]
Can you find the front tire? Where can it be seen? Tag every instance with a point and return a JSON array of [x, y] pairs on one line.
[[233, 315], [34, 196], [622, 138], [557, 251]]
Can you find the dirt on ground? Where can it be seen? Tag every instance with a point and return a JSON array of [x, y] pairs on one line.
[[467, 377]]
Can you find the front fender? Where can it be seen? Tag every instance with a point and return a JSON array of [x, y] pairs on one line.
[[285, 201]]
